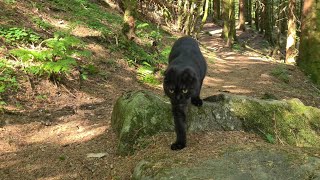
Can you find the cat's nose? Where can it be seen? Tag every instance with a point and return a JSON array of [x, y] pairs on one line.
[[178, 97]]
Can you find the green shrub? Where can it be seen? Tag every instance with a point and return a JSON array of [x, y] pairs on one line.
[[281, 73], [41, 23], [58, 56], [17, 35], [7, 76], [146, 75]]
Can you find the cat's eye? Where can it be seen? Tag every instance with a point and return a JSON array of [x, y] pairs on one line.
[[171, 90], [184, 91]]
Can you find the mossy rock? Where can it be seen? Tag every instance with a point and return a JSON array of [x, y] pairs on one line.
[[243, 163], [289, 121], [138, 114]]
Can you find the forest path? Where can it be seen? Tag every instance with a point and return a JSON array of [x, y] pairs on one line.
[[67, 125], [240, 71]]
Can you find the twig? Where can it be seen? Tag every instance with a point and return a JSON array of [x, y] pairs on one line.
[[275, 128], [68, 91], [315, 88]]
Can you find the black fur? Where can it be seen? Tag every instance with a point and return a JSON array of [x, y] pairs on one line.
[[182, 82]]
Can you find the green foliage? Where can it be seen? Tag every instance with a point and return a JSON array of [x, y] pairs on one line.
[[89, 69], [144, 30], [270, 138], [281, 73], [7, 76], [2, 104], [9, 1], [90, 14], [62, 157], [146, 75], [57, 57], [42, 24], [41, 97], [135, 53], [237, 47], [17, 35]]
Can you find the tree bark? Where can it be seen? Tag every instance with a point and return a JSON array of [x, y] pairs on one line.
[[267, 21], [229, 30], [242, 12], [180, 14], [309, 49], [249, 12], [205, 15], [291, 51], [216, 11], [257, 15], [128, 27]]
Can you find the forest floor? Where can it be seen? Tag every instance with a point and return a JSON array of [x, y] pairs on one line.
[[51, 137]]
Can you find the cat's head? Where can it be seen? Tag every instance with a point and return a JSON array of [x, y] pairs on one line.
[[180, 84]]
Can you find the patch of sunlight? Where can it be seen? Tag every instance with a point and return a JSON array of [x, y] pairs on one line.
[[230, 58], [230, 86], [218, 31], [111, 4], [7, 147], [66, 133], [265, 82], [290, 41], [57, 23], [210, 81], [82, 31], [256, 58], [98, 49], [236, 89]]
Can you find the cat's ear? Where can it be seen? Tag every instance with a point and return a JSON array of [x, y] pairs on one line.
[[169, 73], [188, 75]]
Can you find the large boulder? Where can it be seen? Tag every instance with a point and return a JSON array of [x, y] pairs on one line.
[[139, 114], [239, 164]]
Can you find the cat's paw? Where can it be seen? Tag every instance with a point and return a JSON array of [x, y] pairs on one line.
[[196, 101], [177, 146]]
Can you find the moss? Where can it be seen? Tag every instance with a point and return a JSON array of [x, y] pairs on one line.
[[140, 114], [290, 121], [310, 43], [136, 115]]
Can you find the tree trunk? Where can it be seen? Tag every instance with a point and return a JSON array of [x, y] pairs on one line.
[[267, 21], [229, 30], [128, 28], [205, 15], [242, 12], [180, 14], [249, 12], [284, 17], [216, 11], [278, 30], [309, 49], [257, 15], [189, 24], [291, 37]]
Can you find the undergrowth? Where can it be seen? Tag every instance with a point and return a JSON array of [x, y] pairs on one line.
[[31, 54], [281, 72]]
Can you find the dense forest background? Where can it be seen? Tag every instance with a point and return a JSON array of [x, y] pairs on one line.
[[64, 63]]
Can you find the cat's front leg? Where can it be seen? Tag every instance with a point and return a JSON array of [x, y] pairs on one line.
[[179, 114]]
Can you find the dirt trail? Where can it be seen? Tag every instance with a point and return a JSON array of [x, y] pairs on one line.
[[248, 73], [50, 138]]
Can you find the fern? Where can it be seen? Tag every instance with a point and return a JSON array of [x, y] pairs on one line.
[[55, 58]]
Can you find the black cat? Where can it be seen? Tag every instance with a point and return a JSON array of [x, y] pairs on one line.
[[182, 82]]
